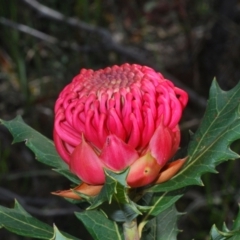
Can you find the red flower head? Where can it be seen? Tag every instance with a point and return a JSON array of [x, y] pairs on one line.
[[118, 117]]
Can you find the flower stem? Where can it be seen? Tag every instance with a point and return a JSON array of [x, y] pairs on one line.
[[130, 230]]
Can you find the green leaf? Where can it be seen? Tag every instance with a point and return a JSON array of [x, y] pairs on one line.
[[99, 226], [160, 203], [162, 227], [18, 221], [20, 209], [114, 195], [114, 185], [211, 143], [225, 233], [216, 234], [43, 148]]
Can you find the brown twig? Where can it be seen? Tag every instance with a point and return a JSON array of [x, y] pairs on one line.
[[108, 43], [43, 36]]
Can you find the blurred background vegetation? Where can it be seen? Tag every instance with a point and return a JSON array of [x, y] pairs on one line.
[[44, 44]]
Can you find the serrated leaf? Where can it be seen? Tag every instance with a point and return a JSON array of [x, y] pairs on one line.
[[225, 233], [114, 199], [159, 203], [115, 185], [43, 147], [211, 143], [216, 234], [162, 201], [18, 221], [99, 226], [162, 227]]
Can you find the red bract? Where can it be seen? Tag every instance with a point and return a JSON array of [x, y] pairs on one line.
[[118, 117]]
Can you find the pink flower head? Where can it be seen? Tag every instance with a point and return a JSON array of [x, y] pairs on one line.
[[118, 117]]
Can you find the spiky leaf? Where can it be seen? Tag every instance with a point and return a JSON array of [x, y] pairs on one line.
[[114, 185], [18, 221], [43, 147], [114, 199], [225, 233], [211, 143]]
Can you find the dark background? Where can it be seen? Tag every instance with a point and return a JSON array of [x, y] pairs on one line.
[[42, 49]]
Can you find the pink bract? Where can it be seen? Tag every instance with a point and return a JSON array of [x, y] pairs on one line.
[[118, 117]]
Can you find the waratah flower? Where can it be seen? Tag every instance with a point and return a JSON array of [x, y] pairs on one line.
[[119, 117]]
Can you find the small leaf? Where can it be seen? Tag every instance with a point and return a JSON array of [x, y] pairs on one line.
[[43, 148], [17, 220], [225, 233], [221, 235], [120, 177], [99, 226], [114, 199], [115, 185], [211, 143]]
